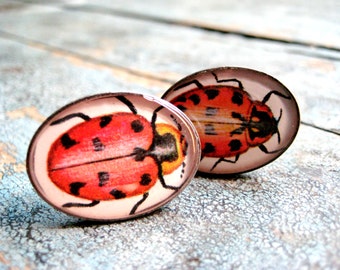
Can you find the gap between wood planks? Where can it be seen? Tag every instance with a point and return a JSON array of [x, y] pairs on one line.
[[86, 58], [320, 128], [143, 76], [198, 25], [94, 61], [193, 24]]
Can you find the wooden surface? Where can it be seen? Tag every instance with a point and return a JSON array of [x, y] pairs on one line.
[[282, 216]]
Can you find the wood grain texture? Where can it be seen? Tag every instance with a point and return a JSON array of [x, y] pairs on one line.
[[311, 22], [167, 53], [288, 21], [282, 216]]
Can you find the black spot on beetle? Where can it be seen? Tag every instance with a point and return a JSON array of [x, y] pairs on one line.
[[137, 126], [212, 93], [208, 148], [117, 194], [145, 179], [181, 99], [75, 187], [195, 99], [105, 120], [98, 145], [235, 145], [182, 108], [67, 141], [237, 98], [104, 177]]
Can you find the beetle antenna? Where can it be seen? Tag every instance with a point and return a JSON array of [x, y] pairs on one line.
[[265, 150], [154, 115], [267, 97], [277, 129]]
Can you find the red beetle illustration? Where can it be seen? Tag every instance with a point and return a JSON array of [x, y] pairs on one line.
[[228, 120], [115, 156]]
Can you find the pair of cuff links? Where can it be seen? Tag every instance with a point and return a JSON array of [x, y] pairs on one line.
[[117, 156]]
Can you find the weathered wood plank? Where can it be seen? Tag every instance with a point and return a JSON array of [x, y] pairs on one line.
[[170, 52], [315, 22], [285, 215], [289, 21]]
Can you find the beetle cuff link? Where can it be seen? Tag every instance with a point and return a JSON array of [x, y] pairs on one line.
[[117, 156]]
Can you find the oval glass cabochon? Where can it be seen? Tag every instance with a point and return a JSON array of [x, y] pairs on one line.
[[245, 118], [113, 156]]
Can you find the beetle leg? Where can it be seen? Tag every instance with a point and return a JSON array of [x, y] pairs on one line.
[[160, 174], [222, 159], [70, 116], [134, 209], [198, 84], [91, 204], [240, 85], [161, 178], [165, 185], [265, 150], [127, 103], [267, 97]]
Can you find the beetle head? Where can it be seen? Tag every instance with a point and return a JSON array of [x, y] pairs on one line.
[[262, 124], [169, 147]]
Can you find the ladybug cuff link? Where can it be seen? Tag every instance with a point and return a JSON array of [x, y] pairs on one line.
[[113, 156], [117, 156], [245, 118]]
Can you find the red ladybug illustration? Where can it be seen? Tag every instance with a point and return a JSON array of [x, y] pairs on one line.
[[228, 120], [114, 156]]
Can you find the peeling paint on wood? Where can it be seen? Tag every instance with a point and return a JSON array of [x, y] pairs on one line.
[[31, 112]]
